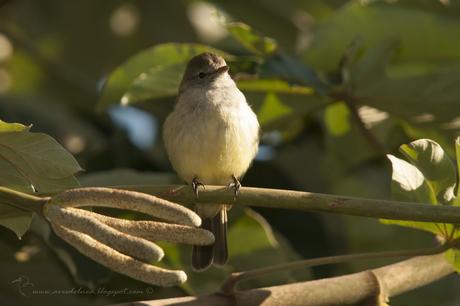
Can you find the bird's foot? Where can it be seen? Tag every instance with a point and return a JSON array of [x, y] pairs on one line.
[[195, 185], [235, 185]]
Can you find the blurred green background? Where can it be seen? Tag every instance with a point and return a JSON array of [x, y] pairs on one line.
[[399, 60]]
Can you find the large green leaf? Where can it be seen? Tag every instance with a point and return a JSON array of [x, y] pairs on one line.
[[28, 162], [15, 219], [36, 159], [433, 95], [429, 93], [437, 168], [429, 178], [152, 73], [424, 36], [251, 40], [408, 184]]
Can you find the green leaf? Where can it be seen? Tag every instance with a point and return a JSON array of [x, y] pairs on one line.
[[430, 178], [157, 82], [434, 95], [12, 127], [337, 119], [15, 219], [272, 109], [430, 93], [31, 161], [437, 168], [251, 40], [273, 85], [35, 159], [424, 38], [279, 103], [133, 78], [408, 184], [453, 257], [372, 65]]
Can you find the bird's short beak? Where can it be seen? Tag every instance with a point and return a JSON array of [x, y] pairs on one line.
[[222, 69]]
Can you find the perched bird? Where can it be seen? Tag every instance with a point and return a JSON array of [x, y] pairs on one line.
[[211, 137]]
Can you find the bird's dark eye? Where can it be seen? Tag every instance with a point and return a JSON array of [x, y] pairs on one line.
[[201, 75]]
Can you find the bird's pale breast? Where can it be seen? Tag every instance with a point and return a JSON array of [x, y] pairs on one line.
[[213, 138]]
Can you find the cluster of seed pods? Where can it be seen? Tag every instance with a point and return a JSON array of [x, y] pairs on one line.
[[125, 246]]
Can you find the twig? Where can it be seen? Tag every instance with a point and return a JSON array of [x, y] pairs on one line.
[[231, 282], [262, 197]]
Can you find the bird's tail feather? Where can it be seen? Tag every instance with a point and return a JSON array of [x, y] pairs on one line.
[[219, 228], [204, 256]]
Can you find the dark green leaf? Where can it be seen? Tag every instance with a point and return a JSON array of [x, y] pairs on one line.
[[31, 161], [160, 66], [15, 219], [252, 41], [36, 160], [294, 72], [425, 36], [408, 184], [434, 95], [437, 168]]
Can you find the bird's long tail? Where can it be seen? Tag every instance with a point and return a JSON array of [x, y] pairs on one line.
[[217, 253]]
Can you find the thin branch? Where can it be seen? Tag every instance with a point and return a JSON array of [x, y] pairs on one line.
[[230, 284], [306, 201], [262, 197]]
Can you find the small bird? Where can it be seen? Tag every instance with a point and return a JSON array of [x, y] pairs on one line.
[[211, 137]]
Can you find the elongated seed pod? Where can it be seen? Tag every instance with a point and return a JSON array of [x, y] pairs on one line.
[[130, 200], [118, 262], [153, 231], [82, 221]]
